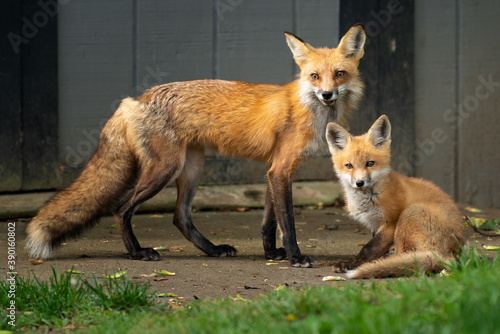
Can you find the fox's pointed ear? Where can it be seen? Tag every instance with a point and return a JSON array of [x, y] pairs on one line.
[[300, 49], [380, 132], [337, 138], [353, 42]]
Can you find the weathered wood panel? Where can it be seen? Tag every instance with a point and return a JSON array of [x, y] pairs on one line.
[[251, 44], [95, 71], [317, 22], [435, 93], [396, 76], [388, 69], [39, 97], [478, 110], [174, 41], [10, 86]]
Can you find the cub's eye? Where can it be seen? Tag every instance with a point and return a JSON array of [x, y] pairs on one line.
[[315, 76], [340, 74], [370, 163], [348, 165]]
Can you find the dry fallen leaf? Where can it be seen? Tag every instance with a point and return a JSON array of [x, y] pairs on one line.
[[333, 278], [115, 275], [164, 273], [35, 262], [150, 275], [73, 271], [471, 209], [168, 294]]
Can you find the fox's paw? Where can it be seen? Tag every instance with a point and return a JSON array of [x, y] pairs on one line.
[[146, 254], [302, 261], [223, 251], [276, 254]]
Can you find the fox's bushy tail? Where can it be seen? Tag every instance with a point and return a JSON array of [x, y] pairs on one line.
[[404, 264], [103, 182]]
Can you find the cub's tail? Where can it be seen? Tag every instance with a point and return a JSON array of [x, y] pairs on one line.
[[101, 185], [405, 264]]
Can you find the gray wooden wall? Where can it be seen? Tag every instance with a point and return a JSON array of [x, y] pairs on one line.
[[457, 81], [112, 49], [108, 50]]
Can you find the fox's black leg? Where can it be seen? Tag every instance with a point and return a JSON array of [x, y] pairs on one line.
[[155, 174], [280, 182], [269, 225], [187, 184]]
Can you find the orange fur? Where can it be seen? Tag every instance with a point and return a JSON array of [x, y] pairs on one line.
[[161, 136], [413, 214]]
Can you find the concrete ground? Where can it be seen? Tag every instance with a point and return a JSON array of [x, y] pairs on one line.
[[325, 234]]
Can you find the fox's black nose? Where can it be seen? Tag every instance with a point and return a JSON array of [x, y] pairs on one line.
[[327, 95], [360, 183]]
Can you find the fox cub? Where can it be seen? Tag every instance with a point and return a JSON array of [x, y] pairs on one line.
[[414, 215]]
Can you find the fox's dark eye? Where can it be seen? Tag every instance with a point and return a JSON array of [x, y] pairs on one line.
[[315, 76], [370, 163], [339, 74], [348, 165]]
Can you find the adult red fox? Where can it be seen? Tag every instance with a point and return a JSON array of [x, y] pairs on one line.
[[416, 216], [161, 136]]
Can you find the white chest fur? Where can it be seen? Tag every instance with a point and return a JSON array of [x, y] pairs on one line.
[[362, 207], [322, 116]]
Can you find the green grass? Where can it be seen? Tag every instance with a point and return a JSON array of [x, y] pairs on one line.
[[466, 301], [67, 299]]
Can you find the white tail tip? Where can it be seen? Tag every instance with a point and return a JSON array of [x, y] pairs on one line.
[[38, 249]]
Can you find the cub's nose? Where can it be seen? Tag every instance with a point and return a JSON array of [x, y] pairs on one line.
[[327, 95], [360, 183]]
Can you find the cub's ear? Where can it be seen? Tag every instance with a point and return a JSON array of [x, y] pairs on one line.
[[300, 49], [353, 42], [337, 138], [380, 132]]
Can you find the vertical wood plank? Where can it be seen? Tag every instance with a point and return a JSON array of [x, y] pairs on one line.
[[396, 74], [435, 93], [40, 96], [96, 71], [478, 107], [317, 22], [10, 85], [174, 41], [252, 46]]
